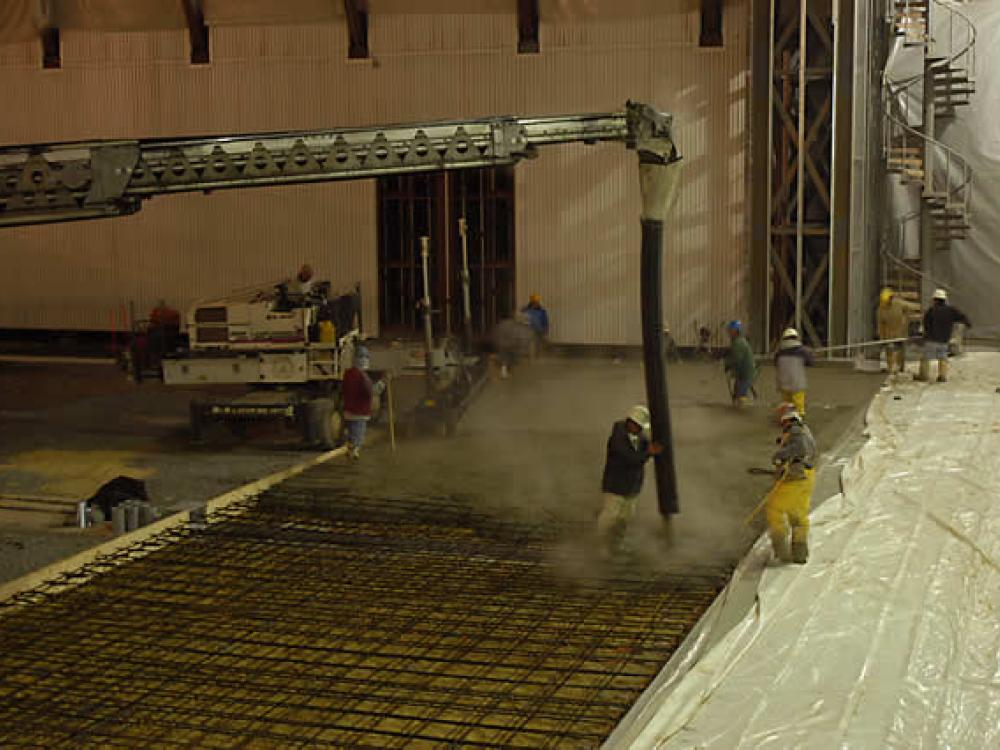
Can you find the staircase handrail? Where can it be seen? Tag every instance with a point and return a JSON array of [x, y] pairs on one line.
[[969, 48], [963, 189]]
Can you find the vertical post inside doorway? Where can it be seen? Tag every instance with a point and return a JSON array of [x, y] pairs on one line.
[[800, 200]]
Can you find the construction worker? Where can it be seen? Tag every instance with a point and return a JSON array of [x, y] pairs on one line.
[[304, 280], [629, 447], [670, 351], [787, 504], [790, 365], [739, 364], [511, 338], [358, 390], [538, 318], [939, 320], [893, 320]]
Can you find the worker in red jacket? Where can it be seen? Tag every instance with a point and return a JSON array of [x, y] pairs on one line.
[[358, 390]]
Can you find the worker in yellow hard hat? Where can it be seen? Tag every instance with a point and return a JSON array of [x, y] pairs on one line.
[[893, 321], [787, 504]]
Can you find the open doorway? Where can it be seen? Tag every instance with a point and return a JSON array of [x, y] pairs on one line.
[[431, 204]]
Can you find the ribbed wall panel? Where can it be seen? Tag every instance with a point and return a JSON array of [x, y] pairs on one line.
[[577, 207], [186, 248], [21, 55]]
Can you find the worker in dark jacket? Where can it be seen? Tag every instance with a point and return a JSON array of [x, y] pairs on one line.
[[358, 391], [939, 320], [739, 364], [628, 450]]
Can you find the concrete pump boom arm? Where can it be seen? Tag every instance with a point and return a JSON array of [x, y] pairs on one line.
[[45, 183], [69, 181]]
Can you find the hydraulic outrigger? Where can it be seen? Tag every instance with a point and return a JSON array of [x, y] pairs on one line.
[[44, 183]]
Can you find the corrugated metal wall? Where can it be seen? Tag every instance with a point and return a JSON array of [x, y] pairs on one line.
[[577, 207]]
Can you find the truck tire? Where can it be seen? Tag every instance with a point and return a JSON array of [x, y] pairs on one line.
[[325, 423]]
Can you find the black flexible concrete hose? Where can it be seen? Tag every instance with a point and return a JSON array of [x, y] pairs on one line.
[[651, 300]]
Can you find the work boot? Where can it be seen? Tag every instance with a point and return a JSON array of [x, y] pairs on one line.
[[780, 546], [925, 371], [942, 371], [800, 552]]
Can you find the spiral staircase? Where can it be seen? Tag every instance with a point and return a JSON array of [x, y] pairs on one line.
[[911, 149]]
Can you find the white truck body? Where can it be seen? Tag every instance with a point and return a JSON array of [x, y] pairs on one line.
[[254, 337]]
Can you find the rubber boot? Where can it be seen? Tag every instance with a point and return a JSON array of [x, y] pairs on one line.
[[780, 546], [890, 361], [942, 371], [800, 552], [925, 370]]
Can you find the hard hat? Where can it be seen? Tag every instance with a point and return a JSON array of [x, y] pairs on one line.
[[639, 415], [734, 325], [940, 294], [787, 412], [886, 295], [535, 299], [789, 333]]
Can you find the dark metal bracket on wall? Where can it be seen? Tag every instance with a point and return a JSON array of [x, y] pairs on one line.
[[356, 13], [711, 24], [194, 14], [527, 27]]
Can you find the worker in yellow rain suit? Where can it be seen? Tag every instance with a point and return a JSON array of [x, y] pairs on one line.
[[787, 503]]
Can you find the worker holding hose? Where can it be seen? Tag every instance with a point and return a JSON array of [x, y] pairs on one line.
[[628, 450], [790, 365], [787, 504]]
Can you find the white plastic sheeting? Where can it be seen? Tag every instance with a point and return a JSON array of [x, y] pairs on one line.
[[970, 267], [890, 636]]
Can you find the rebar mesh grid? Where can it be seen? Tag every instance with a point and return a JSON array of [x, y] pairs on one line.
[[313, 617]]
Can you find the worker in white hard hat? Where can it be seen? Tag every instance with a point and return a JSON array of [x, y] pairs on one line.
[[893, 321], [787, 504], [939, 320], [790, 364], [629, 448], [358, 392]]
